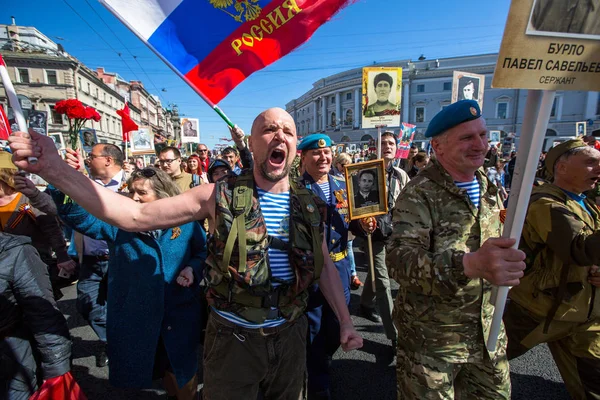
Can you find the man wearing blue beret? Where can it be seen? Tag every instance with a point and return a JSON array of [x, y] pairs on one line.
[[323, 326], [446, 253]]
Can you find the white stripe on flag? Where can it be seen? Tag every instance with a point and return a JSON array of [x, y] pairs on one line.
[[142, 16]]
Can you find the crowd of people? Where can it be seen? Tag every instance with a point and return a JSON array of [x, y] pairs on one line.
[[250, 255]]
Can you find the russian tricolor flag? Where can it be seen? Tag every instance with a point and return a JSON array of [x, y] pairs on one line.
[[216, 44]]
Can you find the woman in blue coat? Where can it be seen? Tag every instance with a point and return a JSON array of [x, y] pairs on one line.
[[153, 313]]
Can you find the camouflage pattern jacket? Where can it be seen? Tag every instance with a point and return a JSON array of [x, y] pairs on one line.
[[438, 310], [558, 233]]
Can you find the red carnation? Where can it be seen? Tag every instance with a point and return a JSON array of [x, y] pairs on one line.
[[77, 112], [91, 113]]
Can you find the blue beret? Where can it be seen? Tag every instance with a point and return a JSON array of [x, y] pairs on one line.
[[315, 141], [452, 115]]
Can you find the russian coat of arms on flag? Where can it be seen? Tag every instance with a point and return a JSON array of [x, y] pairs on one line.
[[216, 44]]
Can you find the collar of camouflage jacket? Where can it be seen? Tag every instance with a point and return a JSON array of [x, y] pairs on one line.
[[437, 173]]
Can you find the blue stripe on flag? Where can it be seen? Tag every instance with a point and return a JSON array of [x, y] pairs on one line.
[[192, 31]]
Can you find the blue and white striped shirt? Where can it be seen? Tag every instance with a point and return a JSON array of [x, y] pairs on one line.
[[325, 188], [472, 189], [275, 208]]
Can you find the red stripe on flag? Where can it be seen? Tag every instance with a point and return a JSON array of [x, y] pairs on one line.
[[242, 53], [4, 125], [127, 124]]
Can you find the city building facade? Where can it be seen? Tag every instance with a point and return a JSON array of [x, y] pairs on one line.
[[333, 105]]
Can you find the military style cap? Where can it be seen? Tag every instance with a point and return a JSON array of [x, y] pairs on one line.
[[452, 115], [315, 141], [557, 151], [6, 160]]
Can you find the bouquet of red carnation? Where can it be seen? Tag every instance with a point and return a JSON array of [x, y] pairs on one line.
[[78, 114]]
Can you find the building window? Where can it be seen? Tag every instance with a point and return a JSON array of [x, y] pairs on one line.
[[554, 107], [447, 85], [104, 97], [333, 119], [502, 110], [56, 117], [332, 101], [349, 96], [420, 88], [23, 75], [349, 115], [79, 85], [97, 93], [89, 88], [420, 114], [51, 78]]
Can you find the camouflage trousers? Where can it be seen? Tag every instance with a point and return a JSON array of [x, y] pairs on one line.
[[575, 348], [420, 376]]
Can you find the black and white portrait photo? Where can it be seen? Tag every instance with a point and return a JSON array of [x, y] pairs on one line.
[[88, 139], [468, 86], [38, 121], [189, 130], [367, 194], [58, 140], [142, 140], [562, 18]]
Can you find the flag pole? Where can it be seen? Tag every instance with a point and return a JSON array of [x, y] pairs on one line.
[[535, 122], [127, 148], [14, 102]]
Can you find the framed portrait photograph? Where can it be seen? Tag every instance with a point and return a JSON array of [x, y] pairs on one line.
[[190, 133], [142, 141], [468, 86], [59, 141], [580, 128], [367, 191], [38, 121], [494, 136], [88, 139], [381, 96]]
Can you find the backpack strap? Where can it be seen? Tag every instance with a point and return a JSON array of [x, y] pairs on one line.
[[241, 204], [307, 203]]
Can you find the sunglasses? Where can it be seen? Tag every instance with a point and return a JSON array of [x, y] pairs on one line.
[[145, 172]]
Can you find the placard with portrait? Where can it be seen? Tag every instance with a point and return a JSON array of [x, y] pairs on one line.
[[468, 86], [367, 191], [190, 133], [381, 96], [142, 140]]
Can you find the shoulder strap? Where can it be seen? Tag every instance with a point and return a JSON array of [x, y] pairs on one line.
[[307, 203], [241, 204]]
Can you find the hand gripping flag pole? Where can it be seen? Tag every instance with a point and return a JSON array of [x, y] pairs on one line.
[[14, 102]]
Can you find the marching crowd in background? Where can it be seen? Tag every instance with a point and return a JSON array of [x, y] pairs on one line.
[[250, 255]]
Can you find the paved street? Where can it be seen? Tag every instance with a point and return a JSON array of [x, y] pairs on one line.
[[356, 375]]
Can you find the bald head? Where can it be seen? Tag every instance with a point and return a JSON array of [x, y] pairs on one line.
[[270, 115]]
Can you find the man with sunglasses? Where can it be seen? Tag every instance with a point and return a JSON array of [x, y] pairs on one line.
[[204, 155], [169, 160], [255, 340]]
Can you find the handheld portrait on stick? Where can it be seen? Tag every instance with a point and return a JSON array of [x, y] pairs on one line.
[[38, 121], [88, 139], [381, 97], [468, 86], [142, 141], [189, 130], [58, 140], [407, 134], [367, 191], [550, 45], [580, 128]]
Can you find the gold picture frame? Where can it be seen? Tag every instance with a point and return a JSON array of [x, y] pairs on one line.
[[372, 202]]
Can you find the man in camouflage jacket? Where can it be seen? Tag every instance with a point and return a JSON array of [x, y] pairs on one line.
[[557, 301], [446, 253]]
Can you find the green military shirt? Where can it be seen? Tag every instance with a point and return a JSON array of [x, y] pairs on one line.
[[559, 232], [439, 311]]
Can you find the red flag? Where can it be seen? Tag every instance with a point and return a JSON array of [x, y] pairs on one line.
[[127, 124], [4, 125]]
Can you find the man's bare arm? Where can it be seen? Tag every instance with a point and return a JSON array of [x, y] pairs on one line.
[[117, 210]]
